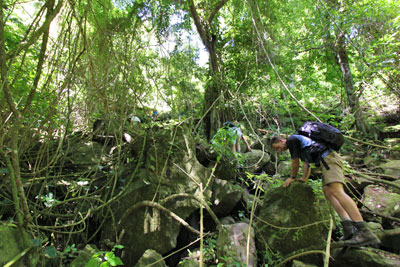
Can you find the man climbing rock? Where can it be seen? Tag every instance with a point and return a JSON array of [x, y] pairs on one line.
[[356, 231]]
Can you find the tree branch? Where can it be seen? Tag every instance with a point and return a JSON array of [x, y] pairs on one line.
[[35, 36], [215, 10], [197, 22], [152, 204], [45, 39]]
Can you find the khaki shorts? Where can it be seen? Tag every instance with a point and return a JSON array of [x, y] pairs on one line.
[[335, 173]]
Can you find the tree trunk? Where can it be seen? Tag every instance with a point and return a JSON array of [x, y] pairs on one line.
[[213, 93], [352, 97], [12, 132]]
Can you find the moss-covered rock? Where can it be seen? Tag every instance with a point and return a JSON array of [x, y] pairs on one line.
[[169, 174], [255, 160], [84, 156], [225, 197], [292, 218], [363, 257], [391, 167], [151, 257], [378, 199], [12, 246]]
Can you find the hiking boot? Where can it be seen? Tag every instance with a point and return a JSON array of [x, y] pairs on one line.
[[362, 237], [348, 230]]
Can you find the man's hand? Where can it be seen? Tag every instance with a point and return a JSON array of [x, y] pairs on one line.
[[291, 180], [288, 182]]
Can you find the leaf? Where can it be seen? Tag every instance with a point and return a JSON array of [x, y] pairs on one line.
[[115, 261], [119, 246], [4, 170], [37, 242], [105, 264], [51, 251], [94, 262]]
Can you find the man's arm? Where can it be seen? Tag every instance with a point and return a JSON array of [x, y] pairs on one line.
[[247, 144], [295, 170], [306, 172]]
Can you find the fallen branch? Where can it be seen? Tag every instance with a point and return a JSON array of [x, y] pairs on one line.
[[382, 215], [363, 175], [301, 254], [207, 207], [381, 174]]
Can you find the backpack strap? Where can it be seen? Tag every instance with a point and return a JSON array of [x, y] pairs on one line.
[[314, 154], [324, 163]]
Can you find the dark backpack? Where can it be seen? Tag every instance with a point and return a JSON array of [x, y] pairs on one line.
[[324, 136], [322, 133], [228, 125]]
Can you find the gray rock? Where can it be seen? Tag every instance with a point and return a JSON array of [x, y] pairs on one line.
[[378, 199], [391, 167], [255, 160], [363, 257], [225, 197], [232, 244], [170, 168], [151, 257]]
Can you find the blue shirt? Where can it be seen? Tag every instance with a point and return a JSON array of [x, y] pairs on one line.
[[298, 145]]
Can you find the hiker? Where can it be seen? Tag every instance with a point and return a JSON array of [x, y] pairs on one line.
[[356, 231], [236, 134], [132, 118], [154, 115]]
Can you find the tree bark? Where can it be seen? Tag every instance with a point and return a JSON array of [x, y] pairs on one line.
[[339, 49], [352, 97], [16, 116], [213, 92]]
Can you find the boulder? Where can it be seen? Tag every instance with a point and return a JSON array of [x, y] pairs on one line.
[[262, 144], [255, 160], [225, 197], [169, 176], [227, 169], [84, 156], [363, 257], [232, 244], [11, 246], [391, 167], [293, 218], [297, 263], [285, 168], [151, 257], [378, 199], [390, 238]]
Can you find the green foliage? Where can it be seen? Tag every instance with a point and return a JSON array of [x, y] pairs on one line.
[[222, 143], [105, 258], [70, 252], [263, 181], [48, 199], [270, 257], [51, 252]]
